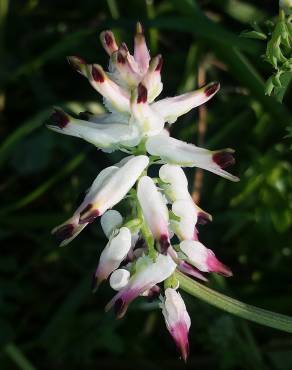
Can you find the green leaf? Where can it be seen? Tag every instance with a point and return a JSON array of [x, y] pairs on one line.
[[18, 357], [253, 35], [233, 306]]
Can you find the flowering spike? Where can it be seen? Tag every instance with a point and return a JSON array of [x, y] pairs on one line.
[[162, 208]]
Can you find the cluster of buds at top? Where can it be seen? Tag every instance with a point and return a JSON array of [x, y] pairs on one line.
[[161, 235]]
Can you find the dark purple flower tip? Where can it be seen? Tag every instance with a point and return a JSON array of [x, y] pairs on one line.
[[159, 64], [212, 88], [153, 293], [203, 218], [97, 74], [120, 308], [59, 118], [224, 158], [64, 232], [120, 58], [90, 217], [90, 213], [142, 94], [164, 244], [76, 62], [85, 115], [108, 38]]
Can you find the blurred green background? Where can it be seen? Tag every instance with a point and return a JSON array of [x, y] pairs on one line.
[[48, 317]]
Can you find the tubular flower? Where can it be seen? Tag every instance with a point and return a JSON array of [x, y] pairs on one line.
[[141, 253], [177, 320]]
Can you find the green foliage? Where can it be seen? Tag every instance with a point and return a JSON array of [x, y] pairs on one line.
[[48, 317], [278, 34]]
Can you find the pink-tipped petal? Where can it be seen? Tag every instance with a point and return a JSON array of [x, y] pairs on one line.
[[147, 275], [215, 265], [177, 320], [141, 52], [188, 269]]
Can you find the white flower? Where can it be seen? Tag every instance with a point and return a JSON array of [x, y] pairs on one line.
[[203, 258], [119, 279], [110, 221], [177, 320], [154, 211], [113, 254], [108, 189], [106, 136], [188, 155], [148, 274], [185, 228]]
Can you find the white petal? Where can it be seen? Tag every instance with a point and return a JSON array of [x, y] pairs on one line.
[[176, 180], [174, 309], [117, 98], [203, 258], [117, 186], [177, 320], [186, 210], [154, 210], [105, 136], [147, 275], [113, 254], [188, 155], [110, 221], [171, 108], [141, 52], [119, 279], [197, 254], [152, 79]]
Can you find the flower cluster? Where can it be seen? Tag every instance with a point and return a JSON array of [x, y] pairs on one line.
[[161, 236]]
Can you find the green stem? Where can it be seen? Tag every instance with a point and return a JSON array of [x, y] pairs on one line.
[[18, 357], [233, 306]]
